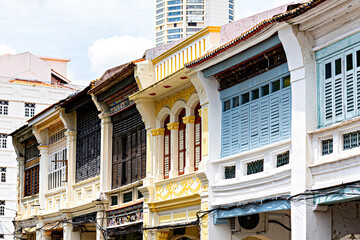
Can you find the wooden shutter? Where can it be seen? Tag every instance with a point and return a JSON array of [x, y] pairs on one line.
[[167, 147], [244, 132], [197, 138], [181, 143], [264, 121], [274, 117], [350, 84], [254, 124], [285, 113], [225, 136]]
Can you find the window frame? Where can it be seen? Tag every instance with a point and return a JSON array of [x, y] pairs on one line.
[[182, 147], [167, 156], [3, 174], [197, 145]]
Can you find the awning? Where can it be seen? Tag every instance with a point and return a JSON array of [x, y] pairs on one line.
[[336, 195], [221, 216]]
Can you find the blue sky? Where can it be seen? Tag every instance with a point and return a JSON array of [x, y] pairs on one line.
[[95, 34]]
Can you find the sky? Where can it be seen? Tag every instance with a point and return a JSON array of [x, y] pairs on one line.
[[94, 34]]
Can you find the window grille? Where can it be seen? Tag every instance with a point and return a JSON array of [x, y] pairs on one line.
[[327, 146], [167, 146], [351, 140], [181, 143], [230, 172], [2, 207], [127, 197], [3, 140], [29, 109], [4, 107], [114, 200], [197, 137], [129, 148], [255, 167], [282, 159], [3, 174], [58, 156], [87, 143]]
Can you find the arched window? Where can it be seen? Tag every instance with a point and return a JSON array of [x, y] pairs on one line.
[[166, 148], [182, 142], [197, 137]]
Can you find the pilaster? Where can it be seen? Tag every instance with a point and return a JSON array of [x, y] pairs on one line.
[[20, 182], [189, 165], [43, 174], [174, 128], [158, 153], [71, 157], [106, 152]]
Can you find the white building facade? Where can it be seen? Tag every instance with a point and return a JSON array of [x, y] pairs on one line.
[[176, 19], [28, 85], [288, 162]]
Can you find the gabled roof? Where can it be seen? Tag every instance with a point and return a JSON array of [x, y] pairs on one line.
[[293, 11]]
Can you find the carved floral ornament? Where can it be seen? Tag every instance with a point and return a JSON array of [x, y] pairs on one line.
[[173, 126], [158, 131], [182, 188], [189, 119], [171, 100]]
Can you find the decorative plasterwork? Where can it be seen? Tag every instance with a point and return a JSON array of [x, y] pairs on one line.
[[181, 188], [158, 131], [173, 126], [189, 119], [171, 100]]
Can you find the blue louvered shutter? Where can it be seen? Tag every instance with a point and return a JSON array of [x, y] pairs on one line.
[[349, 85], [357, 80], [226, 131], [264, 121], [254, 124], [235, 129], [285, 113], [244, 127], [275, 117], [338, 97], [328, 100]]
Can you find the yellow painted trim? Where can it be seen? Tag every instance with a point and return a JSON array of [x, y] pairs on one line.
[[188, 119], [179, 216], [205, 131], [181, 202], [165, 219], [158, 131], [173, 126], [186, 42], [192, 214]]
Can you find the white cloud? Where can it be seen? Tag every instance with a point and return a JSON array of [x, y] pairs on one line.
[[113, 51], [4, 49]]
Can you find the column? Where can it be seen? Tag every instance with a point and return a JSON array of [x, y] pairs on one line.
[[43, 174], [20, 182], [174, 127], [106, 152], [101, 221], [189, 141], [306, 223], [68, 232], [71, 164], [158, 153], [41, 234]]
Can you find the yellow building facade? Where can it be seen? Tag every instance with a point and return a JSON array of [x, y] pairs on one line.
[[173, 106]]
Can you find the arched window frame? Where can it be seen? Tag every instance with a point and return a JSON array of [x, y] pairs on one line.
[[197, 137]]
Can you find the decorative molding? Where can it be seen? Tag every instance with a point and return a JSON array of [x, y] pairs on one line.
[[171, 100], [158, 131], [173, 126], [178, 189], [200, 113], [189, 119]]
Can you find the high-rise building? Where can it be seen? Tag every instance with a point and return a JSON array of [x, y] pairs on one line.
[[176, 19]]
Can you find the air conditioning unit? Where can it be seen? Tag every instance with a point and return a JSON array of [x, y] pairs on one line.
[[250, 223]]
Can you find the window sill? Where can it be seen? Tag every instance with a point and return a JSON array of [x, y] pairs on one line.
[[335, 126]]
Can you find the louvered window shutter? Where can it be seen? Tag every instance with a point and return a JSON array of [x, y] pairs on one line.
[[349, 85], [254, 124], [328, 94], [286, 113], [275, 117], [264, 122], [226, 125], [245, 125]]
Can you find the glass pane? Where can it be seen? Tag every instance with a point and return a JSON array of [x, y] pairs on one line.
[[349, 62], [337, 66], [226, 105], [236, 102], [275, 86], [254, 94], [327, 70], [114, 200], [245, 98], [265, 90], [127, 197], [286, 81], [358, 58], [230, 172]]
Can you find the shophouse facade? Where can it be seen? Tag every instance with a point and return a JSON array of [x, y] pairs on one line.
[[288, 118]]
